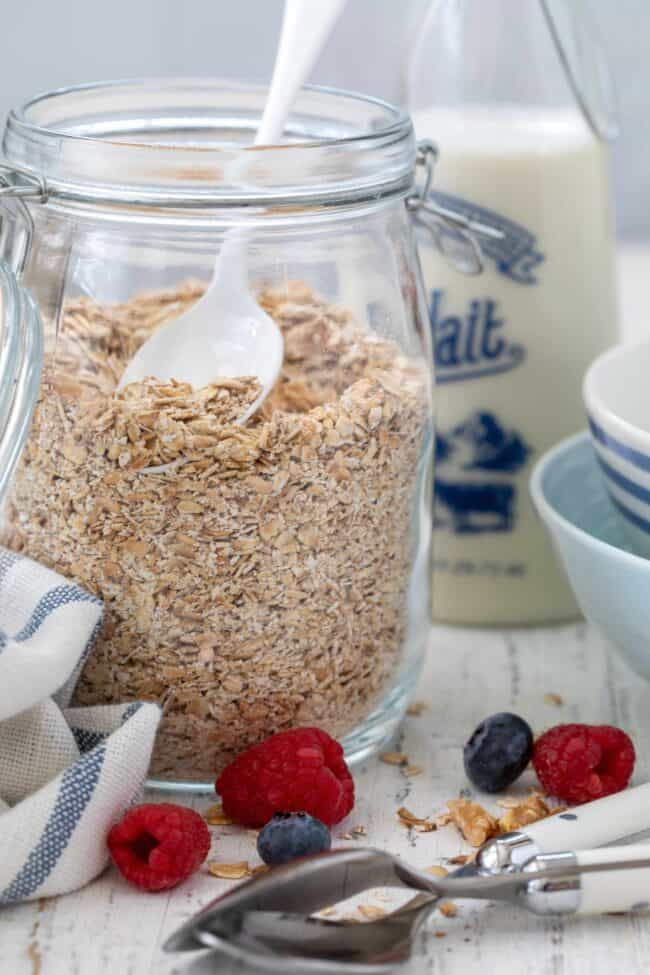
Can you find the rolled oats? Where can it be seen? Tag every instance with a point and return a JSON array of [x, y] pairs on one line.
[[411, 821], [230, 871], [255, 577], [448, 909], [394, 758], [525, 813], [215, 816], [474, 822]]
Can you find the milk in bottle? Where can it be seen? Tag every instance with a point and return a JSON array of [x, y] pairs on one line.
[[511, 345]]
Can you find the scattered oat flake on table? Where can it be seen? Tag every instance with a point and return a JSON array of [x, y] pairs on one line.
[[448, 909], [555, 699], [230, 871], [394, 758], [461, 859], [215, 816], [359, 831], [370, 912], [261, 868], [413, 770], [417, 708], [475, 823], [509, 802], [407, 818], [524, 813], [346, 836], [440, 934], [437, 871]]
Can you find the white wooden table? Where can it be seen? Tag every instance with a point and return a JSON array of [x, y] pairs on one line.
[[111, 929]]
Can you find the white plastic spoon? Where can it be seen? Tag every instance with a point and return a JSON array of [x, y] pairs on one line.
[[226, 333]]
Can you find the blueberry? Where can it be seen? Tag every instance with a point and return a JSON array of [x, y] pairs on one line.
[[498, 752], [290, 835]]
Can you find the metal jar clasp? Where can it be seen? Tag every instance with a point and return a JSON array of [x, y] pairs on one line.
[[16, 223], [456, 235]]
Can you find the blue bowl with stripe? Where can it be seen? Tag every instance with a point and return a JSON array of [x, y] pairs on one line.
[[611, 582], [617, 397]]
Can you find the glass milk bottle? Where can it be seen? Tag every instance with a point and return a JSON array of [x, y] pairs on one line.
[[516, 96]]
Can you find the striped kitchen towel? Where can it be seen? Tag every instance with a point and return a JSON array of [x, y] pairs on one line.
[[66, 774]]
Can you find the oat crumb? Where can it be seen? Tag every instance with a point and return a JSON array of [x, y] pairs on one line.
[[437, 871], [475, 823], [523, 814], [554, 699], [215, 816], [448, 909], [409, 819], [370, 912], [393, 758], [229, 871], [417, 708]]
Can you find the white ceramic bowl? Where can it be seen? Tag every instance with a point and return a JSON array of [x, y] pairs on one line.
[[611, 584], [617, 397]]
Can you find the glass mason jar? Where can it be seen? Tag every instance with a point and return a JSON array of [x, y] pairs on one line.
[[258, 576]]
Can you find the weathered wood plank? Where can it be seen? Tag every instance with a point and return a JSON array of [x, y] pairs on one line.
[[109, 928]]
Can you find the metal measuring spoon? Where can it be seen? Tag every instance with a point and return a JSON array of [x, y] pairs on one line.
[[257, 918]]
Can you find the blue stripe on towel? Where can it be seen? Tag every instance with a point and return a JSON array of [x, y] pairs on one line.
[[7, 560], [90, 643], [87, 739], [78, 785], [51, 601], [632, 456]]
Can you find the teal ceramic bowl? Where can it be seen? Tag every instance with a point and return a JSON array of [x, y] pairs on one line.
[[611, 583]]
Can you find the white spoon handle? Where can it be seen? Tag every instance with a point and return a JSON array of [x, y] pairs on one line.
[[305, 28], [622, 890], [594, 823]]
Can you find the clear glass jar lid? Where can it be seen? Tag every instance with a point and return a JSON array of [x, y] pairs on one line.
[[188, 143]]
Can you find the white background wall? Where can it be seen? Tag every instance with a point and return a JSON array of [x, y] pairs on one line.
[[47, 43]]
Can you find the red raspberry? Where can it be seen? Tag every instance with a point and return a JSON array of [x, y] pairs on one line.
[[302, 770], [581, 762], [157, 845]]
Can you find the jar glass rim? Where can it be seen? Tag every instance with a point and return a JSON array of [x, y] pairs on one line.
[[188, 142]]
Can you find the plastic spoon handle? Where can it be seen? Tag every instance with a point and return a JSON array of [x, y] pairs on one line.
[[615, 890], [595, 823], [305, 28]]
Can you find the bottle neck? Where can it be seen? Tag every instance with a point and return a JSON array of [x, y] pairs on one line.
[[522, 53]]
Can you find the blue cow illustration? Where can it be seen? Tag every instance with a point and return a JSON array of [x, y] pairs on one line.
[[468, 505], [477, 507]]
